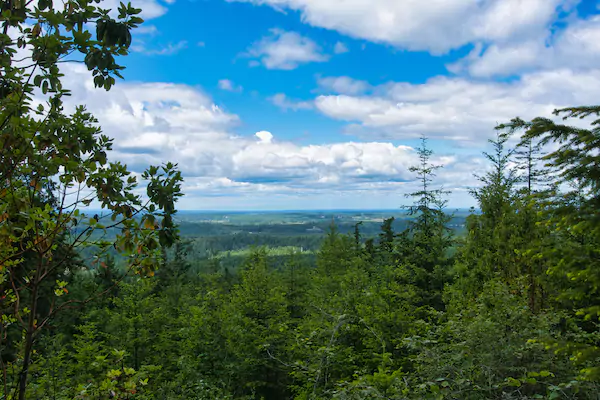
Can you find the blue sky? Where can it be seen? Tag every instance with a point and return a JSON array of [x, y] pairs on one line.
[[303, 104]]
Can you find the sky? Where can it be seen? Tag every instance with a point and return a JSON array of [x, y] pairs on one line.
[[320, 104]]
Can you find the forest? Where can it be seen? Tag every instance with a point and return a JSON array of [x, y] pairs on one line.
[[123, 303]]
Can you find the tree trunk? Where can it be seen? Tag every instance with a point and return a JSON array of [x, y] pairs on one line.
[[26, 361], [532, 290], [29, 341]]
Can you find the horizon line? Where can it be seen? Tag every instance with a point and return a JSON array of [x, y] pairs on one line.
[[309, 210]]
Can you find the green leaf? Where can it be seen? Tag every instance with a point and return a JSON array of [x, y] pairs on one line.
[[513, 382], [99, 80]]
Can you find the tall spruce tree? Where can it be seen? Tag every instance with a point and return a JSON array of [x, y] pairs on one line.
[[488, 251], [429, 237]]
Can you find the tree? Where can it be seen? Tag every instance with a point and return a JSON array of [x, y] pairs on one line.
[[529, 154], [484, 350], [428, 238], [534, 188], [46, 153], [488, 251], [295, 279], [574, 222], [256, 330]]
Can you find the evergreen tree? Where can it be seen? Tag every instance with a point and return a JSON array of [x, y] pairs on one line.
[[425, 247], [574, 220], [529, 157], [256, 330], [295, 278], [488, 251]]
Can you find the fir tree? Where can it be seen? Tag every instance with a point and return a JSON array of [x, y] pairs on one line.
[[429, 238], [574, 220]]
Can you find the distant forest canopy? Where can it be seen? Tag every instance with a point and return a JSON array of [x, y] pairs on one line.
[[506, 307], [230, 235]]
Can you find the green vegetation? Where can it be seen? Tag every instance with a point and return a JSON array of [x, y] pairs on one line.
[[119, 305], [269, 251]]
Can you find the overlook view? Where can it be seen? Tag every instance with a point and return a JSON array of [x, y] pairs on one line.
[[299, 199]]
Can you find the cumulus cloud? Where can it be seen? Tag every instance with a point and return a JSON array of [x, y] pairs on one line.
[[285, 103], [426, 25], [150, 8], [157, 122], [577, 47], [285, 50], [264, 136], [457, 109]]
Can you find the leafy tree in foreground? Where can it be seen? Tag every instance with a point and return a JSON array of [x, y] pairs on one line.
[[46, 153]]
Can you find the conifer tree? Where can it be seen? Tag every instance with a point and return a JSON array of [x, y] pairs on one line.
[[256, 330], [295, 277], [534, 187], [489, 249], [528, 155], [429, 238], [574, 220]]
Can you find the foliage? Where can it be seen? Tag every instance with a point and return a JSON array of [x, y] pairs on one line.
[[55, 164], [507, 311], [426, 246], [573, 220]]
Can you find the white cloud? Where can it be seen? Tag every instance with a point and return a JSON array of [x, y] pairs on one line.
[[436, 25], [340, 48], [456, 108], [351, 108], [264, 136], [150, 8], [576, 47], [157, 122], [343, 85], [228, 85], [169, 49], [286, 50], [146, 30], [285, 103], [505, 19]]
